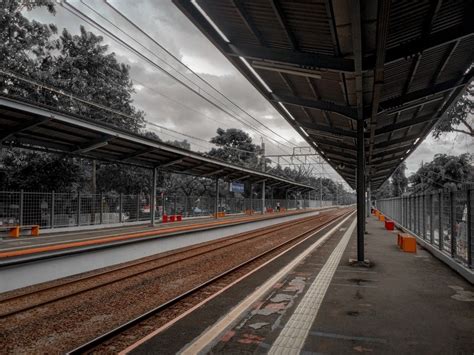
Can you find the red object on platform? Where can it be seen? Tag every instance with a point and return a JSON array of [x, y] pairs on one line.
[[172, 218], [165, 218], [389, 225], [179, 218]]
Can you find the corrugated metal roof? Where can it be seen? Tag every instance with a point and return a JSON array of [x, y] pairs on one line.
[[40, 128], [415, 58]]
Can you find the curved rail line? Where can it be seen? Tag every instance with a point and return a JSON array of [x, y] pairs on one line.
[[224, 243], [87, 347]]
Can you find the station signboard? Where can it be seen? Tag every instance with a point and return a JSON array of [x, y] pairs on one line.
[[237, 187]]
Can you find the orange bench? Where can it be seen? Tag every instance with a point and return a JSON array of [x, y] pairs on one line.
[[14, 231], [406, 242]]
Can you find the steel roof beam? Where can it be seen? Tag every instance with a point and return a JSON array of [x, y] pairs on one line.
[[295, 58], [94, 144], [389, 143], [315, 104], [4, 135], [239, 5], [340, 145], [390, 152], [404, 124], [411, 48], [317, 96], [137, 154], [432, 12], [171, 162], [398, 102], [444, 61], [213, 173], [284, 24], [334, 131], [383, 15]]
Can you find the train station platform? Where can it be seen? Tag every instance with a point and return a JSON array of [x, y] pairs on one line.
[[57, 241], [311, 300]]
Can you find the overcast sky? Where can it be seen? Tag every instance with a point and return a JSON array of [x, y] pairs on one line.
[[168, 103]]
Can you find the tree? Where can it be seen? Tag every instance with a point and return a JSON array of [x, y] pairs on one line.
[[399, 180], [384, 191], [24, 46], [460, 118], [79, 65], [444, 171], [236, 146], [34, 171]]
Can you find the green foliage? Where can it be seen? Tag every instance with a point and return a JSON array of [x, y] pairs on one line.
[[444, 171], [35, 171], [460, 118], [399, 180], [233, 147]]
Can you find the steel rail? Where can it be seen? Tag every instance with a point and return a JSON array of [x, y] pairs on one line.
[[86, 347], [239, 238]]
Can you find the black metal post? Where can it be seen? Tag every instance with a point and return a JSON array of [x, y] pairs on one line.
[[101, 216], [452, 221], [440, 234], [424, 215], [360, 190], [153, 197], [51, 217], [121, 208], [216, 208], [78, 212], [469, 228], [432, 219]]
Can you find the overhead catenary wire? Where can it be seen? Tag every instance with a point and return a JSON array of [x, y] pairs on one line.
[[187, 67], [76, 12]]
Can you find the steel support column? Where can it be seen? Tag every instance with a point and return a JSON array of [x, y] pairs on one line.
[[153, 196], [216, 208], [360, 191], [251, 198], [263, 197], [368, 200]]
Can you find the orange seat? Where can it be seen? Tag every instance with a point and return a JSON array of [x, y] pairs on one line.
[[381, 218], [14, 232], [409, 244], [35, 231]]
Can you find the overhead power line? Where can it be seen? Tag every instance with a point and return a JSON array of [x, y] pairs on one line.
[[187, 67], [77, 12]]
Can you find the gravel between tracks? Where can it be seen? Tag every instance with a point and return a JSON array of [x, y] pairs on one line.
[[62, 325]]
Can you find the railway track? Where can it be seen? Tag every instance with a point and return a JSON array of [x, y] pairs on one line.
[[76, 286], [196, 295]]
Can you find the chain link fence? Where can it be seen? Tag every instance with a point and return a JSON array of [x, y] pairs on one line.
[[442, 218], [56, 210]]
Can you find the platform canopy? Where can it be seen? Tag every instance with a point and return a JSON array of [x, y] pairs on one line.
[[34, 127], [326, 65]]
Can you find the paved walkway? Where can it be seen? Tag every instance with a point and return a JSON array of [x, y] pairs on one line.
[[404, 304]]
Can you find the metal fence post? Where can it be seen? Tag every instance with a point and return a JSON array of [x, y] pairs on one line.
[[153, 195], [440, 205], [138, 206], [469, 228], [51, 217], [453, 227], [78, 212], [22, 198], [424, 214], [101, 208], [120, 208], [432, 219]]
